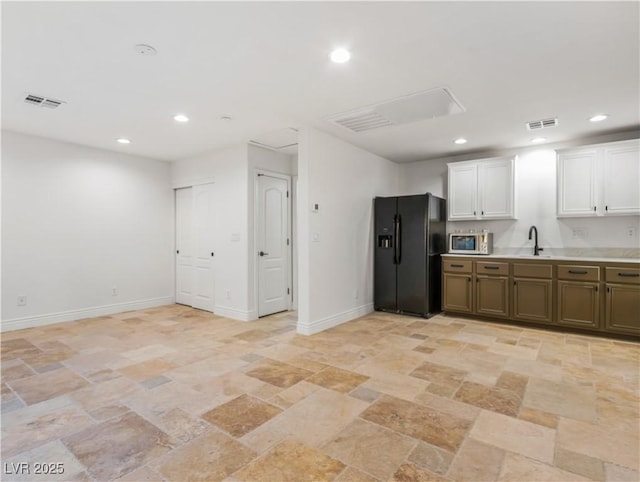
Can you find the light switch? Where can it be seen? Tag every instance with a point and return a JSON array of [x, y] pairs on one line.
[[235, 236], [315, 207], [316, 237]]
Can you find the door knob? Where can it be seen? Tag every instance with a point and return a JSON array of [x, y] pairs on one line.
[[262, 253]]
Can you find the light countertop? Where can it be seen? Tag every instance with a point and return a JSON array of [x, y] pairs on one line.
[[530, 257]]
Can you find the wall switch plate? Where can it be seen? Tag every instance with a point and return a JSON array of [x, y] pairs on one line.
[[315, 207], [22, 300], [228, 294], [114, 291], [316, 237], [631, 232], [235, 237]]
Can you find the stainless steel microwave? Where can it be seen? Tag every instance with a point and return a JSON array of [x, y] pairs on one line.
[[471, 243]]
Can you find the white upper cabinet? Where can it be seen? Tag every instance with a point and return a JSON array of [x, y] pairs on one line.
[[599, 180], [622, 178], [481, 189], [463, 191], [577, 173]]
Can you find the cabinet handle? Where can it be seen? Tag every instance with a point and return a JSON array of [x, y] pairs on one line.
[[474, 213], [629, 275], [573, 271], [483, 213], [608, 290], [596, 288], [457, 265], [606, 208], [594, 209], [492, 267]]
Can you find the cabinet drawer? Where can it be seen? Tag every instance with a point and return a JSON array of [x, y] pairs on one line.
[[522, 270], [579, 273], [623, 275], [486, 267], [457, 266]]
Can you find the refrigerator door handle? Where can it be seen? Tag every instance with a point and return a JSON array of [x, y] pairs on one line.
[[399, 239], [395, 239]]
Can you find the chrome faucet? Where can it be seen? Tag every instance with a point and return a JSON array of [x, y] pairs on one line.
[[536, 249]]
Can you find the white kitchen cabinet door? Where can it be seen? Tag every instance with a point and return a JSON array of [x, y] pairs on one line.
[[622, 178], [463, 191], [495, 189], [577, 171]]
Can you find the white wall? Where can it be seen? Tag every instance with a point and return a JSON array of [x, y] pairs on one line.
[[77, 222], [336, 268], [228, 170], [535, 190]]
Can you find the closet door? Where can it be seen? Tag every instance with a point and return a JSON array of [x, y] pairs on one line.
[[195, 216], [184, 246]]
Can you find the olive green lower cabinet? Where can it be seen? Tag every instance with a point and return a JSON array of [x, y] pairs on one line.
[[597, 297], [492, 289], [533, 292], [622, 305]]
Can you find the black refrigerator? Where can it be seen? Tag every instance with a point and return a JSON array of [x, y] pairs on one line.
[[410, 236]]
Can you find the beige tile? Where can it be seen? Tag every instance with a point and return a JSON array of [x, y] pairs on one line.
[[337, 379], [15, 370], [291, 461], [212, 456], [496, 399], [294, 394], [617, 446], [143, 474], [241, 415], [580, 464], [181, 425], [48, 462], [571, 401], [118, 446], [370, 448], [431, 458], [277, 373], [319, 417], [399, 386], [417, 421], [36, 425], [353, 475], [48, 385], [439, 374], [147, 369], [409, 472], [519, 436], [516, 468], [615, 473], [476, 461], [539, 417]]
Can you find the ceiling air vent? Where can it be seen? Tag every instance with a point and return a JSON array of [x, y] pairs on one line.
[[424, 105], [542, 124], [43, 101]]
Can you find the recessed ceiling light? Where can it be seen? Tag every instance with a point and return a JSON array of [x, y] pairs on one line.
[[122, 140], [180, 118], [598, 117], [340, 56], [538, 140], [460, 141]]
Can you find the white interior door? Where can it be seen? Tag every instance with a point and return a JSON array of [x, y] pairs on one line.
[[203, 254], [194, 246], [273, 244]]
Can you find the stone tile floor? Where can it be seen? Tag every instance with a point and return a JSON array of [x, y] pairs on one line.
[[173, 393]]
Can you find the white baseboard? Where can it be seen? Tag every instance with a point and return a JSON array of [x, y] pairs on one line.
[[73, 315], [334, 320], [234, 314]]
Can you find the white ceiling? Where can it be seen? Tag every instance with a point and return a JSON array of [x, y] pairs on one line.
[[266, 65]]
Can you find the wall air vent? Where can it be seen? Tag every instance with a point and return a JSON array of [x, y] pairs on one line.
[[43, 101], [424, 105], [542, 124]]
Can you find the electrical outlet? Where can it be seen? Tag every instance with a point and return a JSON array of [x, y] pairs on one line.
[[580, 232], [22, 300], [631, 232], [114, 291], [228, 294], [355, 294]]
